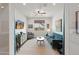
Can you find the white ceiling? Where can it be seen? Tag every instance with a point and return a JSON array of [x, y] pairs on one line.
[[49, 8], [3, 6]]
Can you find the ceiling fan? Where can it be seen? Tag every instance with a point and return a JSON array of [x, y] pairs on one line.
[[41, 12]]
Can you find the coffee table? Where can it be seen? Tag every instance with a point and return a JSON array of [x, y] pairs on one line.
[[40, 39]]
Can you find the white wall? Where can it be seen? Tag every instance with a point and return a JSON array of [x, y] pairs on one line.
[[4, 30], [48, 20], [20, 16], [58, 14], [71, 38]]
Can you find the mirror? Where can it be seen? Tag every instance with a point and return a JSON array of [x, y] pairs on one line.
[[59, 25]]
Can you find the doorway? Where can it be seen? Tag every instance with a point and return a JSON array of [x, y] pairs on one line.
[[33, 21]]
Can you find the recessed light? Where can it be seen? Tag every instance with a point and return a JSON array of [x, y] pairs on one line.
[[78, 5], [54, 4], [2, 6], [24, 4]]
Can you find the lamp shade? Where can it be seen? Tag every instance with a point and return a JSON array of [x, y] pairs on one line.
[[48, 30]]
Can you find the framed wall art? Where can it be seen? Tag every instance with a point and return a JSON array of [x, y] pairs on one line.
[[30, 26], [58, 25], [47, 26], [19, 24], [39, 25], [77, 22]]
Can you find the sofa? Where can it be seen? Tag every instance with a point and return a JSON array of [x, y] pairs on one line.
[[56, 41]]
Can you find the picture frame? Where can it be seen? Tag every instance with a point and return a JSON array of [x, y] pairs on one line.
[[77, 22], [58, 25], [30, 26], [47, 26], [39, 25], [19, 24]]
